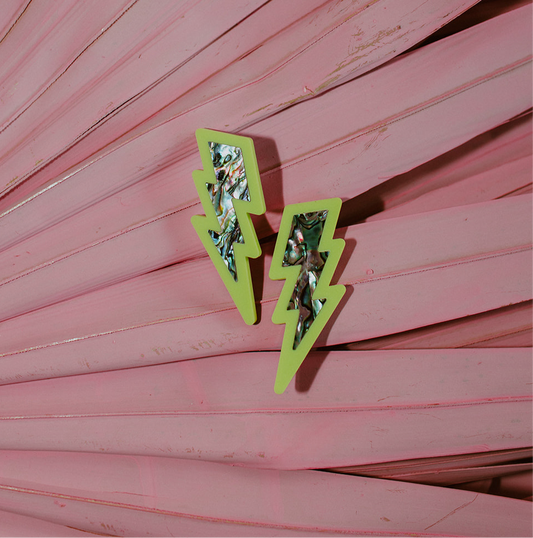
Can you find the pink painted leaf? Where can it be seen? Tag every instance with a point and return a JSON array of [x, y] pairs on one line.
[[14, 524], [143, 44], [327, 46], [460, 259], [340, 411], [44, 44], [128, 496], [10, 13], [504, 327], [474, 172], [515, 486], [145, 232], [424, 132], [449, 470]]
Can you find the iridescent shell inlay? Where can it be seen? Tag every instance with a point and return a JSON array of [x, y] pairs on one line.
[[231, 184], [302, 250]]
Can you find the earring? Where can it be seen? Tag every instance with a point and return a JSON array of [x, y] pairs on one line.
[[230, 191], [306, 256]]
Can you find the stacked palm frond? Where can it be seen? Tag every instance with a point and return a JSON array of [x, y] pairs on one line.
[[134, 401]]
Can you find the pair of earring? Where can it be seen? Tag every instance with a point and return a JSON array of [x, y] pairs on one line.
[[305, 254]]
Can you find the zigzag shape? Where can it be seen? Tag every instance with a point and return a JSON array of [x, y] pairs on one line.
[[230, 191], [304, 308]]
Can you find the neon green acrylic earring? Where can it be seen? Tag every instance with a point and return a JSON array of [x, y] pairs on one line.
[[230, 190], [306, 256]]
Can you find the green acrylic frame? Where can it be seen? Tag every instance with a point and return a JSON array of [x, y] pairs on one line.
[[291, 359], [241, 291]]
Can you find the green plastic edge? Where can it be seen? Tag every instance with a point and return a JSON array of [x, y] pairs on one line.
[[291, 359], [241, 291]]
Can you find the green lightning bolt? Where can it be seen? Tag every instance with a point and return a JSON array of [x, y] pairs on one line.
[[230, 191], [306, 256]]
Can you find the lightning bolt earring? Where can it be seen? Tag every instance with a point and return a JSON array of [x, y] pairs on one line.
[[230, 191], [306, 256]]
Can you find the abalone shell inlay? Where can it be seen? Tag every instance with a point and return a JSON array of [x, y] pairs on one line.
[[302, 249], [231, 184]]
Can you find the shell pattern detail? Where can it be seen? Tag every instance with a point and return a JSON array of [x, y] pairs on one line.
[[231, 184], [302, 249]]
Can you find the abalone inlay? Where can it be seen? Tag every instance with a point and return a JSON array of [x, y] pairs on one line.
[[231, 184], [302, 250]]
